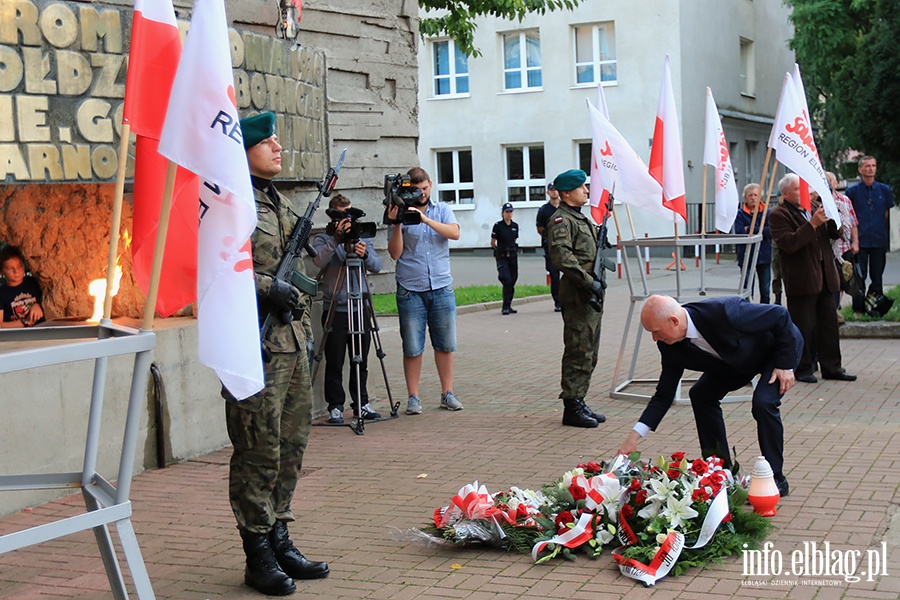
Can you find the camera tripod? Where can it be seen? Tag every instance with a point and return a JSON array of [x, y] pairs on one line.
[[360, 318]]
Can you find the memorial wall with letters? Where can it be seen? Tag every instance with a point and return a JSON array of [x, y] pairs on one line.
[[62, 86]]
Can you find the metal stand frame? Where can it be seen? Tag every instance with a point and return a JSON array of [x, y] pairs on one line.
[[360, 318], [682, 293], [106, 504]]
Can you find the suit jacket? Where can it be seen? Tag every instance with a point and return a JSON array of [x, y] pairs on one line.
[[749, 339], [807, 261]]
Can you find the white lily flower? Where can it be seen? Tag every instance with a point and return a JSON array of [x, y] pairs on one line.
[[678, 511], [662, 488], [569, 476]]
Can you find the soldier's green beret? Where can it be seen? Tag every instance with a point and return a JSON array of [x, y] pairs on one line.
[[569, 180], [257, 128]]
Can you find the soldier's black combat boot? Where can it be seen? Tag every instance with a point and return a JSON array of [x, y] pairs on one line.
[[594, 415], [263, 573], [291, 560], [577, 414]]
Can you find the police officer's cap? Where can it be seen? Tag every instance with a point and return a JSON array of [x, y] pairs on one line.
[[569, 180], [507, 207], [257, 128]]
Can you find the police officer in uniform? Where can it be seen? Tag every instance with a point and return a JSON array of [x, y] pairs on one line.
[[504, 238], [270, 429], [573, 240]]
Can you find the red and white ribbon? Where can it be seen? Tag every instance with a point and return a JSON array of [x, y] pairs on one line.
[[577, 535]]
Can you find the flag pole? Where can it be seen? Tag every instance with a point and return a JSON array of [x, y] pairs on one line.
[[159, 249], [116, 220], [769, 195], [703, 204], [762, 181]]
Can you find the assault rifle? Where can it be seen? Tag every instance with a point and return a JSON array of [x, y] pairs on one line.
[[298, 242], [601, 261]]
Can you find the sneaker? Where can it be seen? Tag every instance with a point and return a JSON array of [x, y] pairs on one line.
[[367, 413], [414, 405], [335, 415], [450, 401]]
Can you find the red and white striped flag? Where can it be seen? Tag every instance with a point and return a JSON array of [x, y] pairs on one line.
[[603, 168], [632, 181], [715, 153], [153, 59], [794, 146], [202, 133], [665, 152]]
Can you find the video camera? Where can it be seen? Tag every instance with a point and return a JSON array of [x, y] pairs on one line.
[[358, 229], [399, 191]]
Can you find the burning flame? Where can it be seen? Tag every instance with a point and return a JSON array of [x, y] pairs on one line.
[[97, 287]]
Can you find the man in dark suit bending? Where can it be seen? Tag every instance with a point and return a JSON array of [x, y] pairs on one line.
[[730, 341]]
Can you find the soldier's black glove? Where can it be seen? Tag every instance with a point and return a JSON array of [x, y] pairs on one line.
[[598, 293], [283, 296]]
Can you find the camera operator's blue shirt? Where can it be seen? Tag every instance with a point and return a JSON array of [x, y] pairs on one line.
[[424, 264]]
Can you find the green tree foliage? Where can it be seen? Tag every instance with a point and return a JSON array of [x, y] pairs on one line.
[[456, 18], [849, 54]]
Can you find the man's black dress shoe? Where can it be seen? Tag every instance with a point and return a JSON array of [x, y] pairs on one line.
[[842, 376], [807, 378], [782, 485]]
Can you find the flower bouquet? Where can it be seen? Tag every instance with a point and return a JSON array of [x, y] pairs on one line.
[[663, 517]]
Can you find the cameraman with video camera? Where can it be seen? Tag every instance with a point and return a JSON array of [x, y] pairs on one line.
[[424, 284], [342, 237]]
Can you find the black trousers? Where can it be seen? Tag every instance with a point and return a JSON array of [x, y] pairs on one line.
[[508, 274], [706, 396], [871, 262], [815, 317], [337, 346]]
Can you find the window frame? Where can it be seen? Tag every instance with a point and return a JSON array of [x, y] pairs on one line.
[[453, 76], [532, 196], [523, 69], [457, 185], [747, 70], [595, 63]]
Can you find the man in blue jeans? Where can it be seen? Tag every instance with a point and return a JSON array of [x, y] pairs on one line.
[[425, 290]]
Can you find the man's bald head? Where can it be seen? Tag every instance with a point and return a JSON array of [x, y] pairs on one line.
[[664, 318]]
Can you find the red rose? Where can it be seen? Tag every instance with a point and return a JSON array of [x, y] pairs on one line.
[[635, 485], [699, 467], [727, 518], [641, 498], [674, 473], [563, 519], [699, 495], [521, 511], [627, 511], [593, 467], [577, 492], [679, 456]]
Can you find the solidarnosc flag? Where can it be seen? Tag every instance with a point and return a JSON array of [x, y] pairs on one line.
[[665, 152], [633, 184], [792, 141], [715, 153], [603, 168], [202, 133], [152, 62]]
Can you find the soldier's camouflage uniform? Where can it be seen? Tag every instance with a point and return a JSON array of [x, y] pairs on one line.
[[270, 429], [572, 238]]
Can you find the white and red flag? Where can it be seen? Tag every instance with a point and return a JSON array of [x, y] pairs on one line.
[[665, 152], [794, 146], [715, 153], [153, 59], [603, 168], [633, 184], [202, 133]]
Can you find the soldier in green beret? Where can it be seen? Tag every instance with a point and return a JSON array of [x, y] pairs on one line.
[[269, 430], [572, 239]]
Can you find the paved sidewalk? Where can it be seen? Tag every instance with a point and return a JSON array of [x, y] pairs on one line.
[[842, 459]]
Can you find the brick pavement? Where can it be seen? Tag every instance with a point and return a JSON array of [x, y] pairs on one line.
[[359, 492]]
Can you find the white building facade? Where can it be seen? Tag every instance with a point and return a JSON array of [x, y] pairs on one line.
[[498, 128]]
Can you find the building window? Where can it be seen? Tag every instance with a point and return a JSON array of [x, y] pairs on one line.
[[595, 53], [454, 177], [522, 60], [451, 69], [748, 68], [526, 179], [584, 158]]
